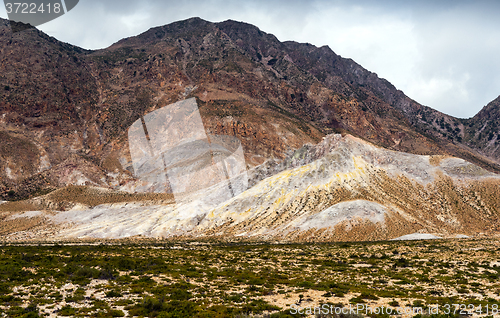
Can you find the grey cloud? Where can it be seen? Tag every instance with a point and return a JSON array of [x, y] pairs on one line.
[[457, 43]]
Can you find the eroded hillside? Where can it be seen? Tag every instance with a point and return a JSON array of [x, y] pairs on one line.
[[341, 189]]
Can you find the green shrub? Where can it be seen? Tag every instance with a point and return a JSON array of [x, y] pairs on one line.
[[67, 311], [108, 272], [31, 311], [116, 313], [113, 293], [257, 306]]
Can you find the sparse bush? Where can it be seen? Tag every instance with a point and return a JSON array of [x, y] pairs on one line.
[[113, 293], [116, 313], [67, 311]]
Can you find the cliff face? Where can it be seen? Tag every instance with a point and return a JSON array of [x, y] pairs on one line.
[[65, 111], [47, 104]]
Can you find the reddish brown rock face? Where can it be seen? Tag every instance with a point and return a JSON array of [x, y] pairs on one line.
[[59, 102]]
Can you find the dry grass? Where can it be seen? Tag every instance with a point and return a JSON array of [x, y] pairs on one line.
[[436, 160], [67, 197], [18, 206], [95, 196]]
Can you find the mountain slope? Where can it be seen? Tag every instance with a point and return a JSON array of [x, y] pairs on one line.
[[356, 191], [66, 111], [340, 189], [483, 130], [375, 95]]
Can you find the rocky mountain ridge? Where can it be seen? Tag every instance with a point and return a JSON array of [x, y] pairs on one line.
[[348, 78], [65, 111], [482, 131]]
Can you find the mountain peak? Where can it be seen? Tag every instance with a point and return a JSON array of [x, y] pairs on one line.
[[237, 25]]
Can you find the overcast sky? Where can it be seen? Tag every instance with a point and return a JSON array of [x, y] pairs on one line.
[[443, 54]]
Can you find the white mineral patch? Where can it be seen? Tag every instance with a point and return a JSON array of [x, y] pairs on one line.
[[44, 163], [26, 215], [8, 172], [345, 211], [417, 236], [79, 207], [112, 221], [459, 168], [461, 236], [393, 162], [121, 220]]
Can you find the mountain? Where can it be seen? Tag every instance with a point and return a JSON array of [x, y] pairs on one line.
[[342, 189], [483, 130], [65, 111], [346, 77]]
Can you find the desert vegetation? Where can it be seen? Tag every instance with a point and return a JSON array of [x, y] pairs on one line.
[[154, 278]]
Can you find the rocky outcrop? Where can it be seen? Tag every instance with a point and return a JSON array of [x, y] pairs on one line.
[[482, 132]]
